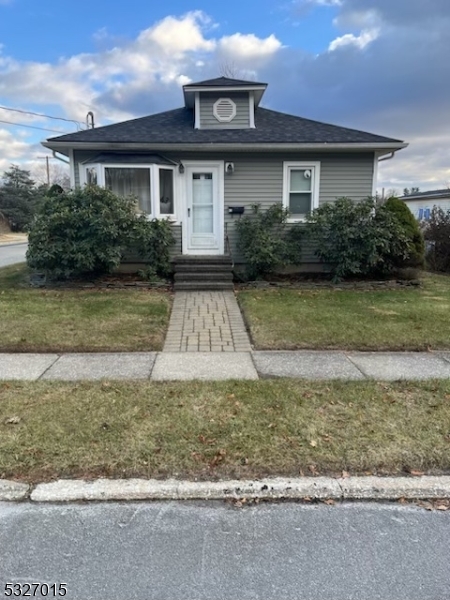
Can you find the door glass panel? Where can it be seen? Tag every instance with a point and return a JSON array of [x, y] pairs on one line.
[[202, 203], [202, 188], [166, 192], [203, 219]]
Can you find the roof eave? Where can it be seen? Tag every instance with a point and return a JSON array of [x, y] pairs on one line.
[[64, 147], [189, 92]]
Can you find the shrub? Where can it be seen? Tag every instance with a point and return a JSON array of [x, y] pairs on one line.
[[263, 241], [437, 234], [358, 238], [153, 240], [86, 231], [411, 230]]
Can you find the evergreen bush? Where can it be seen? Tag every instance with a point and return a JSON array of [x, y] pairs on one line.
[[358, 238], [87, 231], [411, 229]]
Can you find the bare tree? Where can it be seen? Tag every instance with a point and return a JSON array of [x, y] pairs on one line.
[[229, 69], [58, 173]]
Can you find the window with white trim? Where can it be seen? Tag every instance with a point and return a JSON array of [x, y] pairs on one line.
[[131, 181], [153, 186], [301, 182]]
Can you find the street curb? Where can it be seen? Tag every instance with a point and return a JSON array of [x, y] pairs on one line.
[[313, 488], [13, 491], [9, 244]]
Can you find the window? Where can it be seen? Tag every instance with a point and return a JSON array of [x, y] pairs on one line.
[[153, 185], [91, 176], [166, 200], [125, 181], [301, 188]]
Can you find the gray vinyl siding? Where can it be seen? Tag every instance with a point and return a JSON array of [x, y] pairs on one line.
[[209, 121], [133, 261], [258, 178]]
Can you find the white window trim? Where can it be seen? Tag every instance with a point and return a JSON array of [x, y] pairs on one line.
[[154, 184], [315, 185], [251, 106], [200, 165], [197, 123]]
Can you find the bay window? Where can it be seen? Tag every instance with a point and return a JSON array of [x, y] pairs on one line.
[[126, 181], [301, 182], [153, 185]]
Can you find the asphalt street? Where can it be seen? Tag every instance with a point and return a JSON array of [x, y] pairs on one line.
[[11, 254], [218, 551]]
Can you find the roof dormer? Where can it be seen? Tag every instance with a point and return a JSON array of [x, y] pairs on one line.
[[224, 103]]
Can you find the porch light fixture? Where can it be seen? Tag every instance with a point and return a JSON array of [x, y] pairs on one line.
[[229, 168], [181, 168]]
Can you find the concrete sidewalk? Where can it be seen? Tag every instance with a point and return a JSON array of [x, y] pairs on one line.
[[173, 366]]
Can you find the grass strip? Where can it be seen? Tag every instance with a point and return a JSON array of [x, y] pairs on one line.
[[403, 319], [91, 320], [222, 429]]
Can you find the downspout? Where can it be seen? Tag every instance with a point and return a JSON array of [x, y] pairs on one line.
[[375, 166], [387, 156], [67, 162]]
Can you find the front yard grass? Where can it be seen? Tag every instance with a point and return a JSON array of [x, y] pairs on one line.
[[63, 320], [403, 319], [222, 429]]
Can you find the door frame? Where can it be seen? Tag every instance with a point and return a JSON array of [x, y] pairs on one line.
[[219, 204]]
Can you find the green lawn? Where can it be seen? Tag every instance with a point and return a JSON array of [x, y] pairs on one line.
[[404, 319], [41, 320], [222, 429]]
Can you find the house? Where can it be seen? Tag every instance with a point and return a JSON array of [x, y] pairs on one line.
[[421, 203], [204, 164]]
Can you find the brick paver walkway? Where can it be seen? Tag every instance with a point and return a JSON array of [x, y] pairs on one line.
[[206, 322]]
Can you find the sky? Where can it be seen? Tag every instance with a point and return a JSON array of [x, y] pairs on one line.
[[382, 66]]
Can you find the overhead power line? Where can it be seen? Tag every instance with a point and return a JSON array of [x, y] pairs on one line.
[[29, 112], [31, 126]]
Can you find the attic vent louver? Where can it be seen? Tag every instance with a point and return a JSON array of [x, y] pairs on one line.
[[224, 110]]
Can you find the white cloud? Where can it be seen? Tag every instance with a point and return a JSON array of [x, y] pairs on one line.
[[400, 90], [358, 41], [249, 46], [174, 36], [327, 2], [11, 148]]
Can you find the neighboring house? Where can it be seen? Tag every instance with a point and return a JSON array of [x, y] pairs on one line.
[[201, 165], [421, 203]]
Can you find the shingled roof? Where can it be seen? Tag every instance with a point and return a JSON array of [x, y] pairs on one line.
[[176, 127], [432, 194], [223, 82]]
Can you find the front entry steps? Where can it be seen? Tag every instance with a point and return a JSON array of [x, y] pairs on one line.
[[194, 273]]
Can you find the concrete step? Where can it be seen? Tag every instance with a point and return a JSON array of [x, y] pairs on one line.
[[212, 276], [202, 268], [194, 286], [206, 260]]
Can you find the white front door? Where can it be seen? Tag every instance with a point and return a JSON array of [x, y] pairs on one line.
[[204, 209]]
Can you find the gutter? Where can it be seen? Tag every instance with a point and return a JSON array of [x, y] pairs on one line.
[[391, 147]]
